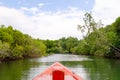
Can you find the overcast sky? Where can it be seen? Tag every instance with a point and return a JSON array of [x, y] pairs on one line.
[[53, 19]]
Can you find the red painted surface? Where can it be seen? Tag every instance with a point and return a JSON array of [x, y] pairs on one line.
[[57, 72], [58, 75]]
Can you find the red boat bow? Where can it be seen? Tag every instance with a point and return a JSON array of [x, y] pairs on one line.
[[57, 72]]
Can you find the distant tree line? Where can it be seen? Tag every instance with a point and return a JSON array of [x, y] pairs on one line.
[[63, 45], [97, 41]]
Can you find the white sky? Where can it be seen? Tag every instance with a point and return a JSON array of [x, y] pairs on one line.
[[48, 25]]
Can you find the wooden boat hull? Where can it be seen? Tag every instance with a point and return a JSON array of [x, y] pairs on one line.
[[57, 72]]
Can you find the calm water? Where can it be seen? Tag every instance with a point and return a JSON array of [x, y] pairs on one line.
[[89, 68]]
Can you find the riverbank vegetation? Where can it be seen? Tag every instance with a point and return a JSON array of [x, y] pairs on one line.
[[98, 40], [15, 45]]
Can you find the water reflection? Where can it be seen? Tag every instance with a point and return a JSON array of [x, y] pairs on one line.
[[61, 57], [102, 69], [89, 68], [70, 61]]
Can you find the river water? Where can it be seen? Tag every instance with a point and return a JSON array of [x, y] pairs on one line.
[[89, 68]]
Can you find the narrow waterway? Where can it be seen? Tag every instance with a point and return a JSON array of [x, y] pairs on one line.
[[89, 68]]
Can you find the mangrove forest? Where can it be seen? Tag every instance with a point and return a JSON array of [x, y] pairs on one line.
[[98, 40]]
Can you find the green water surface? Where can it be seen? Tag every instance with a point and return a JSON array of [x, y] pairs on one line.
[[89, 68]]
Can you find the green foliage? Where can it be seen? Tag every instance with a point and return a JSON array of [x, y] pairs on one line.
[[89, 24], [98, 41], [5, 36], [116, 24], [82, 47], [4, 49], [17, 52], [39, 48], [63, 45], [18, 38], [14, 44]]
